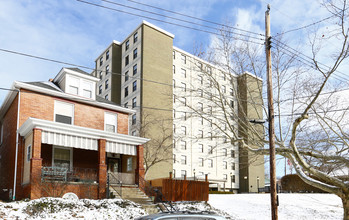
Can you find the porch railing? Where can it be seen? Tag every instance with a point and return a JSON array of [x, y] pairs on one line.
[[77, 174]]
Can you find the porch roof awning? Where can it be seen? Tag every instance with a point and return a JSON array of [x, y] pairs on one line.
[[80, 137]]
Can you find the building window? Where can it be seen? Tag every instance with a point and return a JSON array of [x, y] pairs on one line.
[[184, 101], [231, 92], [174, 69], [87, 90], [183, 160], [100, 74], [134, 102], [225, 152], [233, 179], [133, 133], [225, 165], [135, 37], [126, 91], [225, 176], [29, 153], [107, 55], [134, 119], [134, 86], [110, 122], [184, 73], [62, 157], [201, 134], [106, 96], [135, 69], [210, 163], [201, 94], [210, 150], [201, 162], [232, 103], [233, 166], [174, 128], [184, 130], [174, 113], [129, 164], [101, 61], [201, 80], [135, 51], [184, 87], [73, 90], [209, 70], [127, 45], [174, 55], [184, 59], [126, 60], [202, 120], [183, 173], [100, 89], [126, 105], [106, 84], [174, 158], [200, 107], [126, 76], [210, 135], [201, 148], [64, 112], [232, 153], [183, 145], [174, 83], [106, 69], [223, 89]]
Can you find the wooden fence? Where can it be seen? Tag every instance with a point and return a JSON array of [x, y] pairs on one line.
[[182, 190]]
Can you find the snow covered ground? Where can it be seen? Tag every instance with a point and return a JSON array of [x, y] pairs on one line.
[[239, 206]]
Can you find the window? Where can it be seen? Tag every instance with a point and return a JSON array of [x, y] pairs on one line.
[[101, 61], [174, 83], [174, 128], [107, 55], [106, 84], [183, 173], [126, 91], [225, 165], [174, 173], [100, 74], [210, 163], [184, 130], [106, 69], [202, 120], [134, 119], [209, 70], [135, 51], [184, 101], [110, 122], [225, 152], [183, 160], [127, 45], [184, 59], [129, 164], [126, 76], [134, 102], [100, 89], [134, 86], [174, 113], [135, 37], [233, 179], [135, 69], [73, 90], [210, 135], [231, 92], [185, 115], [126, 105], [223, 89], [201, 148], [210, 150], [174, 55], [126, 60], [174, 69], [201, 134], [183, 145], [232, 153], [62, 157], [225, 176], [233, 166], [174, 98], [201, 162], [87, 89], [200, 92], [184, 73], [200, 107], [210, 109], [232, 103], [106, 96], [133, 133], [184, 87], [29, 153], [174, 158], [201, 80], [64, 112]]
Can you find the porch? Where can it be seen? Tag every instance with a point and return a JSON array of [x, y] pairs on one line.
[[74, 159]]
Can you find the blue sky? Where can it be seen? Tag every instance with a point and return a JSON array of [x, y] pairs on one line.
[[74, 32]]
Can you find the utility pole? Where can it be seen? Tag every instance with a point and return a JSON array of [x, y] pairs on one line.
[[273, 195]]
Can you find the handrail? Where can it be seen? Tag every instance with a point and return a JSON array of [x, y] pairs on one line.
[[148, 189], [114, 182]]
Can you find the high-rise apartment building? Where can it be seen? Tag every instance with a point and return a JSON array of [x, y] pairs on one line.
[[171, 91]]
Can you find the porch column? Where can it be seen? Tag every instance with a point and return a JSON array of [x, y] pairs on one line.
[[36, 165], [102, 169], [140, 172]]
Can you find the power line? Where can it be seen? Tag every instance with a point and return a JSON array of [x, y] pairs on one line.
[[167, 22], [178, 19], [196, 18]]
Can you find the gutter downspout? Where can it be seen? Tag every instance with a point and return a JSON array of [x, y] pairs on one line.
[[16, 155]]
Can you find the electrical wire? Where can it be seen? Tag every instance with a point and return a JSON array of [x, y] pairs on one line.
[[167, 22]]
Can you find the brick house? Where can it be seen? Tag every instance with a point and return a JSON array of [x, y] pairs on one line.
[[58, 137]]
